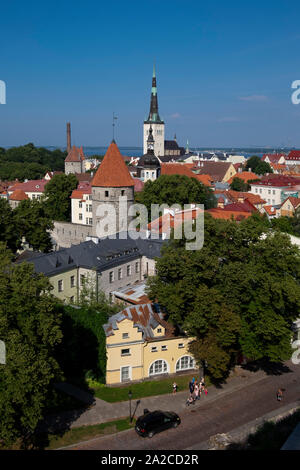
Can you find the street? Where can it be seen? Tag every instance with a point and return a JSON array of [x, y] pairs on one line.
[[201, 421]]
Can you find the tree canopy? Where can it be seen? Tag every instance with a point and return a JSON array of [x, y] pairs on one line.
[[33, 223], [238, 184], [239, 294], [30, 329], [258, 166], [28, 161], [29, 220], [175, 189], [57, 194]]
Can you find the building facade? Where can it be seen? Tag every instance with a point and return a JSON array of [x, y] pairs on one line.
[[140, 345], [105, 266]]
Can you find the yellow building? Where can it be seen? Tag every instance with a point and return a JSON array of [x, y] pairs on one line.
[[140, 344], [289, 206]]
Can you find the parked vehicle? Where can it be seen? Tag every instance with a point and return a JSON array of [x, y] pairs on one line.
[[156, 421]]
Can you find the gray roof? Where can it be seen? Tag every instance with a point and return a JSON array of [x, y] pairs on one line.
[[142, 315], [101, 256]]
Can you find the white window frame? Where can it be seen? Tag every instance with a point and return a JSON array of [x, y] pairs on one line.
[[129, 373], [159, 373], [186, 368]]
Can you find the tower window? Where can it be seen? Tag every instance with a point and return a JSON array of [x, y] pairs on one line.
[[106, 193], [122, 192]]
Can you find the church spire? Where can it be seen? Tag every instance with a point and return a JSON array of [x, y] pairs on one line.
[[153, 114]]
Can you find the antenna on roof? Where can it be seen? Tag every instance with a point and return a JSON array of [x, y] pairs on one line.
[[113, 126]]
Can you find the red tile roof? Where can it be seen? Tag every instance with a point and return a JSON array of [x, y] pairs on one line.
[[176, 169], [18, 195], [218, 213], [75, 155], [245, 206], [270, 210], [217, 170], [138, 185], [245, 176], [112, 171], [236, 195], [185, 169], [273, 157], [31, 186], [295, 201], [278, 180], [293, 155], [204, 179]]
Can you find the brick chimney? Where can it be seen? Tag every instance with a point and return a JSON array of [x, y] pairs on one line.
[[68, 137]]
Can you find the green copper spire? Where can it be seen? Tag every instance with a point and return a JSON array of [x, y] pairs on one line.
[[153, 114]]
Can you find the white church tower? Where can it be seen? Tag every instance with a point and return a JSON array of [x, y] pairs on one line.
[[154, 121]]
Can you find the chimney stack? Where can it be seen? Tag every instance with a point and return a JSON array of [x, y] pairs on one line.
[[68, 137]]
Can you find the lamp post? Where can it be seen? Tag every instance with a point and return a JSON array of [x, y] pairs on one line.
[[130, 396]]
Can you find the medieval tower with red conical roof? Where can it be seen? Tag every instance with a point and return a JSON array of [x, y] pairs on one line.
[[112, 194]]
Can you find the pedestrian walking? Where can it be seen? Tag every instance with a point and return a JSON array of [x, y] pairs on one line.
[[206, 392], [191, 387], [197, 391], [174, 388], [190, 400], [279, 394]]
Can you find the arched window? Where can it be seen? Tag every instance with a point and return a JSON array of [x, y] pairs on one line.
[[185, 363], [158, 367]]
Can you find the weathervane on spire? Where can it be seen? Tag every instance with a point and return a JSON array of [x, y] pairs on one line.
[[113, 126]]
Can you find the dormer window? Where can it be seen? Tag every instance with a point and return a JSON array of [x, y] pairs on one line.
[[158, 330], [125, 335], [154, 349]]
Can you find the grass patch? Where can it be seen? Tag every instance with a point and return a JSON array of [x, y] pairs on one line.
[[85, 433], [73, 436], [141, 389]]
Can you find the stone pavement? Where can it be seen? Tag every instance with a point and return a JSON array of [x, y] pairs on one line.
[[101, 411], [227, 416]]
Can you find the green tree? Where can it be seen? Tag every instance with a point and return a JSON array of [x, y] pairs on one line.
[[57, 196], [30, 328], [29, 162], [9, 233], [252, 163], [283, 224], [175, 189], [239, 294], [263, 168], [34, 224], [258, 166], [238, 184]]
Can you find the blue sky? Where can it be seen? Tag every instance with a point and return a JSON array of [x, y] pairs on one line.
[[224, 71]]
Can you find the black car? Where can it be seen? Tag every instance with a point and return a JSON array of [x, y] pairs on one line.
[[156, 421]]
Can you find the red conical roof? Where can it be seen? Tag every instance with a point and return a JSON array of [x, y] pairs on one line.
[[73, 155], [113, 171]]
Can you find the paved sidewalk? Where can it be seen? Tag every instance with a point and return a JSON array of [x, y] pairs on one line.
[[102, 411]]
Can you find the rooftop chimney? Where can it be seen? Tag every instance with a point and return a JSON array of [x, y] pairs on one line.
[[68, 137]]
